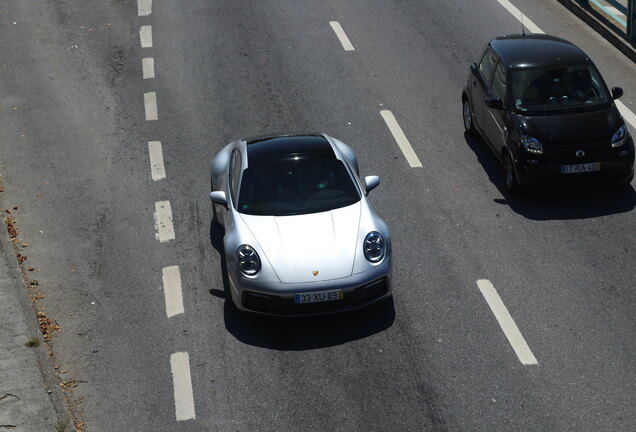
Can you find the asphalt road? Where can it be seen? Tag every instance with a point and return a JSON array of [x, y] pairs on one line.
[[75, 161]]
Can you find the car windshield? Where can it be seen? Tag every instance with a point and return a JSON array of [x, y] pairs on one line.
[[560, 88], [296, 187]]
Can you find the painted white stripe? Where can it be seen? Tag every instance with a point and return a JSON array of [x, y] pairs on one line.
[[144, 7], [626, 113], [400, 139], [520, 17], [150, 105], [148, 66], [172, 291], [163, 221], [182, 383], [145, 35], [342, 36], [506, 322], [157, 168]]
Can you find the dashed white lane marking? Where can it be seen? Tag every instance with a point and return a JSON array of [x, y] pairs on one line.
[[506, 322], [400, 139], [150, 105], [342, 36], [157, 168], [172, 291], [148, 67], [520, 16], [163, 220], [182, 383], [144, 7], [145, 35], [627, 114]]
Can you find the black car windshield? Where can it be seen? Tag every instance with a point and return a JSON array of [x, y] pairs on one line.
[[558, 88], [294, 187]]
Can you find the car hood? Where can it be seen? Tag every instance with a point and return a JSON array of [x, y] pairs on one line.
[[572, 127], [308, 248]]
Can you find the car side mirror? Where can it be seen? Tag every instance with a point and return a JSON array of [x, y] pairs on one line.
[[371, 182], [218, 197], [494, 103], [617, 92]]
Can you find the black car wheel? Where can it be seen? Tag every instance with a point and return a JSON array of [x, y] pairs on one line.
[[510, 179], [468, 117]]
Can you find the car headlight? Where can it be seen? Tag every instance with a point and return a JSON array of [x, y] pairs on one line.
[[248, 261], [374, 247], [531, 144], [619, 137]]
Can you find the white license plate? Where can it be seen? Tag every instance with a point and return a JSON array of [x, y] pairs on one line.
[[320, 296], [580, 168]]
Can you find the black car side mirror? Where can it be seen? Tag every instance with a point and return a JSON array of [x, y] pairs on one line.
[[617, 92], [494, 103]]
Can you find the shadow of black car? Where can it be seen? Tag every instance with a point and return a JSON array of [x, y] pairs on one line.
[[563, 202], [297, 334]]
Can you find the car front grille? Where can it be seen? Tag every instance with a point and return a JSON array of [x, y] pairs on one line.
[[565, 153]]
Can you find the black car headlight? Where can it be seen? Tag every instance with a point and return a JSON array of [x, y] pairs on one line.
[[531, 144], [374, 247], [619, 137], [248, 261]]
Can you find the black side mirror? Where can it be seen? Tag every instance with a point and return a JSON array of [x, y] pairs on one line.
[[617, 92], [494, 103]]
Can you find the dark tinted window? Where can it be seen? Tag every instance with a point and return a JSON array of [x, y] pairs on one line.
[[498, 88], [296, 187], [235, 173], [486, 65]]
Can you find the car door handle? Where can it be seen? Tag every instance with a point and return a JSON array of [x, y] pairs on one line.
[[474, 83]]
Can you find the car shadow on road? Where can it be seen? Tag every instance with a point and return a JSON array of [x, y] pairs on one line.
[[298, 334], [554, 203]]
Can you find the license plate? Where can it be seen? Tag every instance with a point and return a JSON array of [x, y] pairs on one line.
[[319, 296], [580, 168]]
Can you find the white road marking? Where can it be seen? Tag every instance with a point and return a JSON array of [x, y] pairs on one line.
[[520, 17], [145, 35], [163, 220], [144, 7], [400, 139], [172, 291], [506, 322], [628, 115], [150, 105], [342, 36], [148, 66], [157, 169], [182, 383]]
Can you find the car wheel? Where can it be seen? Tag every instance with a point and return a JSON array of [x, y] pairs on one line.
[[469, 125], [510, 179]]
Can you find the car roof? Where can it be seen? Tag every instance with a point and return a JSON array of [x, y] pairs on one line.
[[536, 50], [277, 149]]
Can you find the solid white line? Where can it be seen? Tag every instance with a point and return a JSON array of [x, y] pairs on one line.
[[628, 115], [520, 17], [506, 322], [163, 220], [145, 35], [400, 139], [148, 67], [144, 7], [157, 169], [342, 36], [172, 291], [150, 105], [182, 383]]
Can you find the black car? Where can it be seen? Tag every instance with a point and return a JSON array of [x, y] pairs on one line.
[[544, 109]]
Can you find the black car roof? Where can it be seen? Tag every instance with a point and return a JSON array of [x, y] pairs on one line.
[[536, 50], [288, 148]]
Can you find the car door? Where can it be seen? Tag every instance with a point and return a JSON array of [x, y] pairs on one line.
[[494, 117], [481, 79]]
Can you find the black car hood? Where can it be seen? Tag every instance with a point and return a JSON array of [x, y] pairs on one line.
[[571, 127]]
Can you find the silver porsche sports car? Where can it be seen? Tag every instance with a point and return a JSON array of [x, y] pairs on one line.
[[300, 236]]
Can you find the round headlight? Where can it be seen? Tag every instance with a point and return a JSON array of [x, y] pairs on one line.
[[248, 260], [374, 247]]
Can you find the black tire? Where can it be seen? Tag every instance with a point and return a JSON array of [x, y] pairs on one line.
[[510, 178], [467, 116]]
